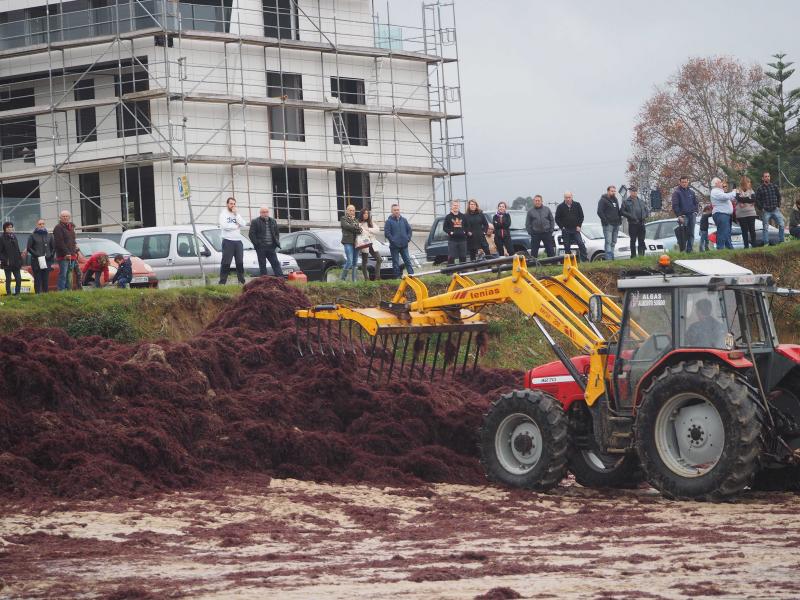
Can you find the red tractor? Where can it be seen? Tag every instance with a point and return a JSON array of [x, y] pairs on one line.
[[701, 401]]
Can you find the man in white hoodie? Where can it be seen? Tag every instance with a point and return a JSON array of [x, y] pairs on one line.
[[230, 222], [722, 213]]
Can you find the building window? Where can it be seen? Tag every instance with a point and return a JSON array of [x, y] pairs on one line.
[[290, 193], [133, 116], [206, 15], [89, 185], [20, 204], [352, 187], [85, 118], [138, 197], [349, 127], [284, 122], [17, 136], [280, 19]]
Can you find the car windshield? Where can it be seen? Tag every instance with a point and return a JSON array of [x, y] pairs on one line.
[[518, 219], [331, 238], [593, 231], [91, 245], [214, 237]]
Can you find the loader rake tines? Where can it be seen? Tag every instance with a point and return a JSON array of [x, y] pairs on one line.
[[411, 351]]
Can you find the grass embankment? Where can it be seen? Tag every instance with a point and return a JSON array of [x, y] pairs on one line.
[[515, 342]]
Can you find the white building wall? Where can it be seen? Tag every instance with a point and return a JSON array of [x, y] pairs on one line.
[[236, 130]]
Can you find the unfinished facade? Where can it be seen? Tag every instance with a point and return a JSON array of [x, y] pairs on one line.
[[301, 105]]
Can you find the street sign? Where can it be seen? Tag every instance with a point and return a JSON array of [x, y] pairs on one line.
[[183, 187]]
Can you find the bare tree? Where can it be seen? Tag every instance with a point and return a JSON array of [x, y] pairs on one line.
[[697, 123]]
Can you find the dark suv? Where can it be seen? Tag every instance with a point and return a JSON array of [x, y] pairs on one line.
[[436, 245]]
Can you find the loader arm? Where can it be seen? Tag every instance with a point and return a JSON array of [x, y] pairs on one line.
[[559, 302]]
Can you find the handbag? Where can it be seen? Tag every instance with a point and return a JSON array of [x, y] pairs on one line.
[[42, 262], [363, 241]]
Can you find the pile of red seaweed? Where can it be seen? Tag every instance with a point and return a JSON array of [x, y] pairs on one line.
[[89, 417]]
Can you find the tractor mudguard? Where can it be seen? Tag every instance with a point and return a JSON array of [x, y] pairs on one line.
[[735, 360]]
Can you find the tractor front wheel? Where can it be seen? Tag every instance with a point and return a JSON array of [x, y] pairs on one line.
[[697, 432], [591, 466], [524, 441]]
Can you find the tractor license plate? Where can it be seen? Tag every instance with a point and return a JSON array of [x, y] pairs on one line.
[[141, 279]]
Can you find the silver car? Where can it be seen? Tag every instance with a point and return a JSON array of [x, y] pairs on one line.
[[173, 251], [663, 232], [595, 243]]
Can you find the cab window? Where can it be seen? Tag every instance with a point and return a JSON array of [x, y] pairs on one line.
[[704, 320], [189, 246]]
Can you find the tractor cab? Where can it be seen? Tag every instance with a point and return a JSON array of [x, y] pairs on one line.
[[719, 311]]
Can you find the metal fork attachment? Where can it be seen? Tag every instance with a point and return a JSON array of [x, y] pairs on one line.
[[396, 342]]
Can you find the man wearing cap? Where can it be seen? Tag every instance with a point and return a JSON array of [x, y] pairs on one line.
[[636, 212]]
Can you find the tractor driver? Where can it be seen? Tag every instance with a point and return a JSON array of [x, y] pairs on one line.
[[706, 332]]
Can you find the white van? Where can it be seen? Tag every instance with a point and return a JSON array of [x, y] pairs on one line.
[[172, 250]]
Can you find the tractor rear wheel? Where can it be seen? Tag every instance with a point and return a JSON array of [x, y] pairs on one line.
[[773, 478], [524, 441], [593, 468], [697, 432]]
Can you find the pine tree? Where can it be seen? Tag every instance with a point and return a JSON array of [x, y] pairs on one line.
[[775, 112]]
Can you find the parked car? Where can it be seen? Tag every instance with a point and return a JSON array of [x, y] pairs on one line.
[[595, 243], [436, 244], [320, 254], [143, 274], [173, 251], [26, 286], [663, 231]]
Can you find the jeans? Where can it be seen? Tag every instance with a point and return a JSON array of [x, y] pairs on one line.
[[123, 282], [689, 220], [456, 249], [41, 278], [89, 276], [795, 232], [365, 253], [349, 261], [403, 252], [231, 249], [704, 240], [267, 253], [503, 245], [723, 222], [637, 231], [748, 225], [574, 237], [542, 238], [18, 279], [777, 215], [65, 270], [610, 233]]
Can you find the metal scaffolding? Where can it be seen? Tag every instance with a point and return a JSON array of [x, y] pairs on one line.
[[159, 67]]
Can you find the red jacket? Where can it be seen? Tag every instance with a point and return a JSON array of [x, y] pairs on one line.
[[93, 264]]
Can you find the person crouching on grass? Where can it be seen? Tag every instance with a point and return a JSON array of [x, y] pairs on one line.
[[96, 268], [124, 275]]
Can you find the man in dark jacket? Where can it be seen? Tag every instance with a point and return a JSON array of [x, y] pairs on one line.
[[685, 207], [66, 250], [10, 258], [540, 224], [569, 218], [266, 239], [398, 233], [610, 219], [636, 212], [456, 234], [41, 248], [768, 199]]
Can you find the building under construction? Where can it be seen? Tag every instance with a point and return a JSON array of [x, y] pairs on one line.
[[301, 105]]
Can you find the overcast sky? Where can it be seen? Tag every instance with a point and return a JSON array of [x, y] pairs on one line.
[[551, 89]]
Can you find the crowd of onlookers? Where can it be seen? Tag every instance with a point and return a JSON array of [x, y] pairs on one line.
[[59, 248]]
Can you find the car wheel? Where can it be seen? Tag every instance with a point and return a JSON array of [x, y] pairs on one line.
[[332, 274], [597, 256]]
